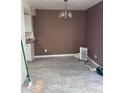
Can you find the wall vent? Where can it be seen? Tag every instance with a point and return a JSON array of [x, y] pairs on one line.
[[83, 53]]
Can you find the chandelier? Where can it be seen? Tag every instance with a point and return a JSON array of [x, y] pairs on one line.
[[65, 13]]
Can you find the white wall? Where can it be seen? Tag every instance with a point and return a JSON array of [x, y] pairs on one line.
[[29, 28], [30, 52], [28, 23], [25, 5]]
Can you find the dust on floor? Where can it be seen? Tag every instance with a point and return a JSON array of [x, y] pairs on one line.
[[64, 75]]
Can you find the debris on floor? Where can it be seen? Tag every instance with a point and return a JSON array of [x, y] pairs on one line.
[[100, 70], [37, 87], [64, 75], [90, 65]]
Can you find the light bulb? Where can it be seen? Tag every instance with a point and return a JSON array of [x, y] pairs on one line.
[[62, 14], [70, 14]]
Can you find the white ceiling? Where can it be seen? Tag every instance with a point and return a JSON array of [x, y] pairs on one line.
[[59, 4]]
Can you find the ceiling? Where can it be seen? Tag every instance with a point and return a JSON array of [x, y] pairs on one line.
[[59, 4]]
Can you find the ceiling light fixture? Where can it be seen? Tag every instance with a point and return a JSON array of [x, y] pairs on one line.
[[65, 13]]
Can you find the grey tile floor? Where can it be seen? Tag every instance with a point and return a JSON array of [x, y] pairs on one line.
[[64, 75]]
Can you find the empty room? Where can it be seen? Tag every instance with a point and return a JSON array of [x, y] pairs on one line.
[[62, 46]]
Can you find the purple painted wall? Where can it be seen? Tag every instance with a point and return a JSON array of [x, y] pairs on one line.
[[94, 32], [59, 36]]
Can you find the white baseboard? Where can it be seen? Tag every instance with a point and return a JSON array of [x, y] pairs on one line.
[[57, 55], [64, 55], [91, 69], [91, 60]]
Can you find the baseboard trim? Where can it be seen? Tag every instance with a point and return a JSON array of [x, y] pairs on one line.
[[91, 60], [57, 55], [64, 55]]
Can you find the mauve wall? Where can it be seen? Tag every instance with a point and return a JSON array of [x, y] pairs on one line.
[[94, 32], [59, 36]]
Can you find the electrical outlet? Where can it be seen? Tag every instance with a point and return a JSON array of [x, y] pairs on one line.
[[95, 56], [45, 50]]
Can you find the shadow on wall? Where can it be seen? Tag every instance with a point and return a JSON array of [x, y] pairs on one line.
[[94, 32]]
